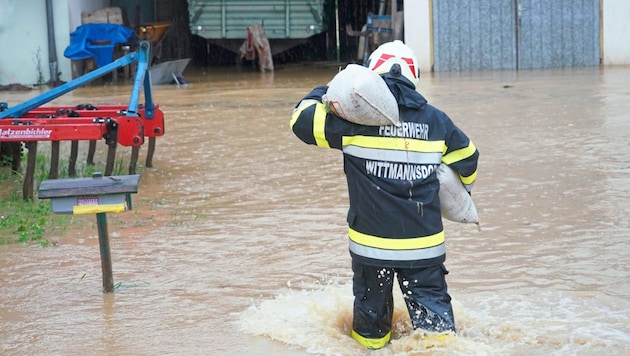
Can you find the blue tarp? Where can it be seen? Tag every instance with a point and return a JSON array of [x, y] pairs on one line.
[[82, 40]]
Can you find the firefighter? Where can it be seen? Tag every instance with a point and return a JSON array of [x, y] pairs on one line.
[[394, 221]]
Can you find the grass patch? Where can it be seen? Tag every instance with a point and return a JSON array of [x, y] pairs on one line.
[[28, 221], [33, 221]]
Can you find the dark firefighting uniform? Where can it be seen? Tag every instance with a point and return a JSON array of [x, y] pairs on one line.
[[394, 218]]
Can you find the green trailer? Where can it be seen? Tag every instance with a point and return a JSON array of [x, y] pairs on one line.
[[287, 23]]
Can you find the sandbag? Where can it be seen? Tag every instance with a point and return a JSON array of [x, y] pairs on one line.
[[359, 95], [456, 204]]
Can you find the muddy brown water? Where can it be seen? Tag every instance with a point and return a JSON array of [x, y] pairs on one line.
[[236, 241]]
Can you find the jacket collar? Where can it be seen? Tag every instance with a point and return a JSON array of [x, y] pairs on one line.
[[404, 92]]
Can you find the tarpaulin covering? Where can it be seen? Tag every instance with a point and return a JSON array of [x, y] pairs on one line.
[[97, 41]]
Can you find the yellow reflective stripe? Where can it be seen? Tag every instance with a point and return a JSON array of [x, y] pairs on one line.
[[103, 208], [319, 120], [294, 117], [394, 143], [470, 179], [319, 126], [411, 243], [372, 343], [397, 255], [301, 107], [460, 154]]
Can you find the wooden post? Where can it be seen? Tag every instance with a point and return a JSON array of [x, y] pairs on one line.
[[27, 188], [106, 257], [72, 162], [53, 173]]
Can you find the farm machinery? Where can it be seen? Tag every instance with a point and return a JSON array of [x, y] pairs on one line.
[[126, 125]]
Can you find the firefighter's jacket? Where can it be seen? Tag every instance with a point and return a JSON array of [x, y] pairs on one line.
[[394, 217]]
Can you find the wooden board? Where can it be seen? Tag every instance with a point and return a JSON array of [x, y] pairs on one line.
[[106, 15]]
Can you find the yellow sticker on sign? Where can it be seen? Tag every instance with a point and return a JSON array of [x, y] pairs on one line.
[[103, 208]]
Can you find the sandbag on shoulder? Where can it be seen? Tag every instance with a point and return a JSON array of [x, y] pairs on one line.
[[456, 204], [359, 95]]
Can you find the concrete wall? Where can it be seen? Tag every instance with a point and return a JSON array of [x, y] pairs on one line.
[[24, 37]]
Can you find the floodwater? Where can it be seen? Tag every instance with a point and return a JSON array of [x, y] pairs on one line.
[[236, 242]]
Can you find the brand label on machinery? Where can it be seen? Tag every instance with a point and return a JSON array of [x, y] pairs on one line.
[[25, 133]]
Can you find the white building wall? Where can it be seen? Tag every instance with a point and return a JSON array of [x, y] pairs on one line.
[[616, 30], [418, 31], [23, 40], [24, 37]]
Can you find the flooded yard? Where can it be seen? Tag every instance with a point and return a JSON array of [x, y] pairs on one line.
[[237, 244]]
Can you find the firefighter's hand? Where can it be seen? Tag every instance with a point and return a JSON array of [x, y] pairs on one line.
[[330, 107]]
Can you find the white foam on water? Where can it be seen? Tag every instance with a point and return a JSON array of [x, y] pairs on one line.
[[318, 319], [548, 321]]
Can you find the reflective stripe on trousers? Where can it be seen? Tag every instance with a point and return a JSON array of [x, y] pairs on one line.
[[408, 249]]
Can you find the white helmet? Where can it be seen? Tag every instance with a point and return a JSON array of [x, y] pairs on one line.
[[389, 54]]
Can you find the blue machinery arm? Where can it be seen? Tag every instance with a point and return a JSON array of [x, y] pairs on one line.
[[142, 78]]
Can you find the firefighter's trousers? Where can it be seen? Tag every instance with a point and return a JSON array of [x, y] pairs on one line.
[[424, 291]]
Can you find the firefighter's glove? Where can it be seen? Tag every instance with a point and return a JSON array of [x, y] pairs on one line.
[[328, 105]]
